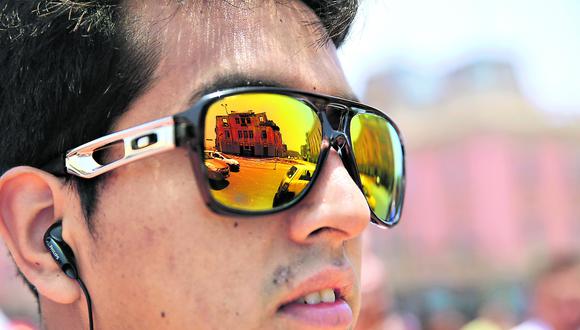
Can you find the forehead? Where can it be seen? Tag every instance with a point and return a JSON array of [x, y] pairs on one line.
[[263, 40]]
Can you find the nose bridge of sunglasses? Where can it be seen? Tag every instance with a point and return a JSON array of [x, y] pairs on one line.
[[337, 115], [338, 142]]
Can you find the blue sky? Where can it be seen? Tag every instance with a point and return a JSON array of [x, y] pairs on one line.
[[540, 38]]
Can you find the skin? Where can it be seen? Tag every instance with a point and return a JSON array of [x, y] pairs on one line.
[[557, 299], [157, 257]]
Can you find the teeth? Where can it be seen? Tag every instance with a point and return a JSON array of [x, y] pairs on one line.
[[312, 298], [325, 296]]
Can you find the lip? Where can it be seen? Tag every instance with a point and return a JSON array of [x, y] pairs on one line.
[[324, 315]]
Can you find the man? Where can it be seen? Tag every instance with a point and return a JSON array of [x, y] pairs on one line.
[[556, 296], [107, 192]]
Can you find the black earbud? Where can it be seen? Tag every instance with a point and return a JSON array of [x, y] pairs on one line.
[[60, 251], [65, 258]]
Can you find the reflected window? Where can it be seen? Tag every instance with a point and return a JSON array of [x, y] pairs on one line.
[[251, 134], [245, 134], [291, 171], [237, 120], [239, 133], [264, 135]]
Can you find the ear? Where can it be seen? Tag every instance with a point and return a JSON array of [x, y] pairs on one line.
[[30, 201]]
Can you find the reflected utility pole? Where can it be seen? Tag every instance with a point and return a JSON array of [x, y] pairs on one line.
[[275, 151], [225, 106]]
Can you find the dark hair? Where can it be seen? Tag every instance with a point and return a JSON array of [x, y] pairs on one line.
[[69, 69]]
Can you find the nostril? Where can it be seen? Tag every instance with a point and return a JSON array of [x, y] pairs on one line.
[[319, 231]]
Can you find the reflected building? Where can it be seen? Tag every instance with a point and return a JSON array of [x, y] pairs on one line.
[[311, 150], [373, 149], [249, 134]]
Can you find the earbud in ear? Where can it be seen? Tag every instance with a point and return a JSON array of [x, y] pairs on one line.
[[65, 258], [60, 251]]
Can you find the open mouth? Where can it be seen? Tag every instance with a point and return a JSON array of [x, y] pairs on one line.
[[325, 296], [320, 301], [325, 309]]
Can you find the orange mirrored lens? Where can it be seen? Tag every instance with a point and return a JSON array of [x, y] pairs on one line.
[[261, 150], [379, 156]]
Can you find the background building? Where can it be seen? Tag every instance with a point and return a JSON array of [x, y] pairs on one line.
[[493, 186], [486, 96]]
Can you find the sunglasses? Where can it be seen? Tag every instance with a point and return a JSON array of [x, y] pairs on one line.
[[259, 150]]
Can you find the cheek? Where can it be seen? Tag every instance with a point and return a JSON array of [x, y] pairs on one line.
[[157, 242], [353, 250]]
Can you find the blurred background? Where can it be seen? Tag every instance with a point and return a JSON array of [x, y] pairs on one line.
[[487, 95]]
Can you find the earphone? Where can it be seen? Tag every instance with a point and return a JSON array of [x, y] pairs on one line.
[[65, 258], [61, 252]]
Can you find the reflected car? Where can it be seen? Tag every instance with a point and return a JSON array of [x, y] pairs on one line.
[[232, 163], [293, 183], [217, 170]]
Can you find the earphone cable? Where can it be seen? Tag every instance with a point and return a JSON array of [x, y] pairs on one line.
[[89, 303]]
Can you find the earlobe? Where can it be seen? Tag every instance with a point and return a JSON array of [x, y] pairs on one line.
[[30, 202]]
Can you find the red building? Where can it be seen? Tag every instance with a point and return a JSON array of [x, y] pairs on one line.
[[249, 134]]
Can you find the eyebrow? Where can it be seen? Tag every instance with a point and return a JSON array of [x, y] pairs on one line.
[[241, 80]]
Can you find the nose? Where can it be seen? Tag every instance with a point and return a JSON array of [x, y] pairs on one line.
[[334, 209]]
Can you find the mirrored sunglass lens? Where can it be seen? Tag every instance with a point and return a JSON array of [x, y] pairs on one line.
[[261, 150], [379, 155]]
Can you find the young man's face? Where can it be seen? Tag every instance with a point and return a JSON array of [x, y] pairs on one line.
[[159, 258]]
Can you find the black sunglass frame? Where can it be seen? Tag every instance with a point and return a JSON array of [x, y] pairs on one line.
[[186, 129], [337, 138]]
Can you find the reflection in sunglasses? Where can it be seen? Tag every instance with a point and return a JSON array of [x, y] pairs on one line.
[[273, 141], [379, 163]]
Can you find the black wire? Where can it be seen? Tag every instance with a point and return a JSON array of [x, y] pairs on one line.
[[89, 303]]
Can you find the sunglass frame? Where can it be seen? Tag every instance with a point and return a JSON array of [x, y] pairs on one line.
[[186, 129], [194, 121]]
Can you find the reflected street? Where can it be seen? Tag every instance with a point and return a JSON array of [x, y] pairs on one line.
[[256, 176]]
